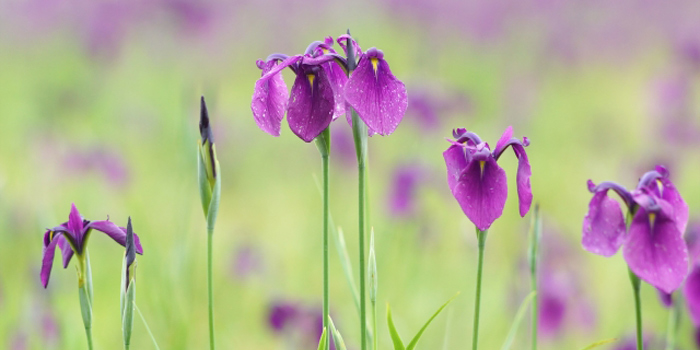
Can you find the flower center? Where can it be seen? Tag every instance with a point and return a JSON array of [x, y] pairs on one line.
[[375, 62]]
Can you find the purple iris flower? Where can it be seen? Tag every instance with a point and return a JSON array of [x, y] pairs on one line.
[[72, 237], [658, 215], [282, 315], [377, 96], [316, 97], [476, 180]]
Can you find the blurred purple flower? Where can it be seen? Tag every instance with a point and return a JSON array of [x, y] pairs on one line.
[[19, 341], [299, 322], [630, 343], [476, 180], [71, 237], [49, 330], [691, 289], [108, 163], [282, 315], [193, 15], [666, 299], [654, 247], [247, 261], [405, 183], [343, 146]]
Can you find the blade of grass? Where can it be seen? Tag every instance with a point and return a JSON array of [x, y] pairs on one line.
[[599, 343], [518, 319], [415, 339], [395, 338]]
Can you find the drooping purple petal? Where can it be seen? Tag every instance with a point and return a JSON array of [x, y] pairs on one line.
[[481, 191], [75, 224], [66, 250], [523, 179], [374, 92], [118, 234], [48, 254], [337, 79], [311, 105], [456, 161], [691, 293], [270, 97], [655, 250], [603, 226], [680, 208]]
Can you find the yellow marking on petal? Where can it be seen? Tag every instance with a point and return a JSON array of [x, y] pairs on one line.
[[652, 219], [51, 236], [325, 51], [375, 62], [660, 186], [311, 78], [482, 163]]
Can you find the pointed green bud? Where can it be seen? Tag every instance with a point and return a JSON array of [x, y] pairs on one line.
[[128, 292], [323, 142], [208, 167], [207, 150], [372, 270]]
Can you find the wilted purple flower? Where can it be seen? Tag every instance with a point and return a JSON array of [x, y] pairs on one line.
[[654, 247], [374, 92], [476, 180], [316, 96], [71, 237]]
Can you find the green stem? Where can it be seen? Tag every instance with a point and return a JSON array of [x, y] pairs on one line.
[[533, 288], [673, 320], [374, 324], [326, 214], [636, 284], [85, 294], [481, 237], [148, 329], [210, 236], [88, 333]]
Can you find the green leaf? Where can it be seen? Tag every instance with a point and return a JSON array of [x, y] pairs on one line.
[[85, 306], [128, 314], [599, 343], [322, 341], [337, 338], [395, 338], [517, 320], [415, 339]]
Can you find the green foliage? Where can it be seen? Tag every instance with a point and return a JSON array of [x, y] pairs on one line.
[[599, 343], [396, 339], [337, 338], [518, 319], [322, 341]]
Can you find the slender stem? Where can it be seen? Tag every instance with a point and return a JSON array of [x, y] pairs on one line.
[[481, 237], [210, 236], [636, 284], [361, 223], [533, 288], [374, 324], [673, 320], [148, 329], [326, 214], [88, 333]]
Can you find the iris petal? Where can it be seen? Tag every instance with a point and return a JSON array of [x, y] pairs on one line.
[[75, 224], [270, 97], [456, 161], [47, 256], [481, 191], [655, 250], [311, 105], [691, 293], [118, 234], [378, 97], [603, 226]]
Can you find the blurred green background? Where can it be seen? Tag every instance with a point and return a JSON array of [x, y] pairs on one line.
[[99, 105]]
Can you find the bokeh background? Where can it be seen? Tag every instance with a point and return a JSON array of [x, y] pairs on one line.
[[99, 105]]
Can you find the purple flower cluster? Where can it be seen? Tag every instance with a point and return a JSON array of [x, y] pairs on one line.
[[323, 91], [653, 233]]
